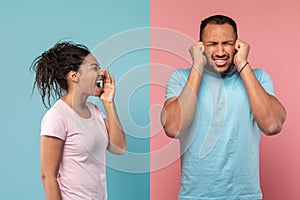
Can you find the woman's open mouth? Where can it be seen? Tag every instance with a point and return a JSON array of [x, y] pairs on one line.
[[100, 81]]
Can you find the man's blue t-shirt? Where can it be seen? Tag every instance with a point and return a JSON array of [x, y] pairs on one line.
[[220, 151]]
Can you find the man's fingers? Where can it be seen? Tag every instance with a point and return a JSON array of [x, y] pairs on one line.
[[200, 45], [240, 44]]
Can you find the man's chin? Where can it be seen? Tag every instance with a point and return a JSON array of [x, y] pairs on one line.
[[221, 69]]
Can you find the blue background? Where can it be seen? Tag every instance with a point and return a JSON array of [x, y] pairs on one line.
[[28, 29]]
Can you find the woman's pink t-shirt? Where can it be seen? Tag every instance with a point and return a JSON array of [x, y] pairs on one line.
[[82, 173]]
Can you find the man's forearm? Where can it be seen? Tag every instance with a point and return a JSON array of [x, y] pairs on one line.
[[178, 114], [266, 109]]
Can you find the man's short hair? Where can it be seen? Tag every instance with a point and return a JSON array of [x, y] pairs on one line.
[[217, 20]]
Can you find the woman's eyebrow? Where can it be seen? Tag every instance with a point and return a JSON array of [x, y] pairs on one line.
[[95, 64]]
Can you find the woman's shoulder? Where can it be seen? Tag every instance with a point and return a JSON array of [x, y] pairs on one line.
[[59, 109]]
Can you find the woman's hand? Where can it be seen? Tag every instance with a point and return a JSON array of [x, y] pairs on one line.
[[107, 96]]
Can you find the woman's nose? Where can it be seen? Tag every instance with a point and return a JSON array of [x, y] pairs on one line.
[[100, 72]]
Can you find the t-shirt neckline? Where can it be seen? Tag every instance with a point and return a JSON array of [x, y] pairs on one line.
[[75, 113]]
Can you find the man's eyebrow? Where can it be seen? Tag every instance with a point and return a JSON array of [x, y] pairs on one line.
[[228, 41], [211, 42], [224, 42]]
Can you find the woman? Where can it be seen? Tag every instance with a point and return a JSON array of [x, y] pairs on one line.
[[74, 133]]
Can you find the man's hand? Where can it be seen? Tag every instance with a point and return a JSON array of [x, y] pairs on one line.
[[240, 58], [198, 56]]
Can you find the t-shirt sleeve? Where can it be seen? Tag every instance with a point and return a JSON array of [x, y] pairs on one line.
[[52, 125], [175, 84], [265, 80]]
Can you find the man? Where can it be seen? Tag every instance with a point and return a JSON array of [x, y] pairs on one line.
[[217, 108]]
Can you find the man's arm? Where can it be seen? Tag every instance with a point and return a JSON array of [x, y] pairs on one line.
[[268, 112], [178, 112]]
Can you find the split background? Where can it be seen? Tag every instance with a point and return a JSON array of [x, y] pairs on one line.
[[30, 27]]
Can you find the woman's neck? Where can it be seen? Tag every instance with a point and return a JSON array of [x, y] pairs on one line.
[[74, 101], [77, 104]]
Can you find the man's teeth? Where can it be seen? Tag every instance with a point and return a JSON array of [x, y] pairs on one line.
[[220, 61]]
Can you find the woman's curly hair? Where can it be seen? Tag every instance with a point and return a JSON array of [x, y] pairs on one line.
[[52, 67]]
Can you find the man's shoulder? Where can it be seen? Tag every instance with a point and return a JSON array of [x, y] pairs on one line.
[[181, 72], [258, 71], [261, 73]]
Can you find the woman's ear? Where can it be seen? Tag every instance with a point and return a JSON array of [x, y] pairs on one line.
[[73, 76]]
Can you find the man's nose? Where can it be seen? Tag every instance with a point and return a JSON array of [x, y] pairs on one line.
[[220, 50]]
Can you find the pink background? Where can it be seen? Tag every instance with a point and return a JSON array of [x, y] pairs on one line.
[[272, 29]]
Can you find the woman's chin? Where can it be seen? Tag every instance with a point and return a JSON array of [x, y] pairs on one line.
[[98, 91]]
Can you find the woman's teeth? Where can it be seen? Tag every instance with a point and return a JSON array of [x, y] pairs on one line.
[[99, 83]]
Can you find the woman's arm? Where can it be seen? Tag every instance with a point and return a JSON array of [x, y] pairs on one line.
[[51, 149], [117, 140]]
